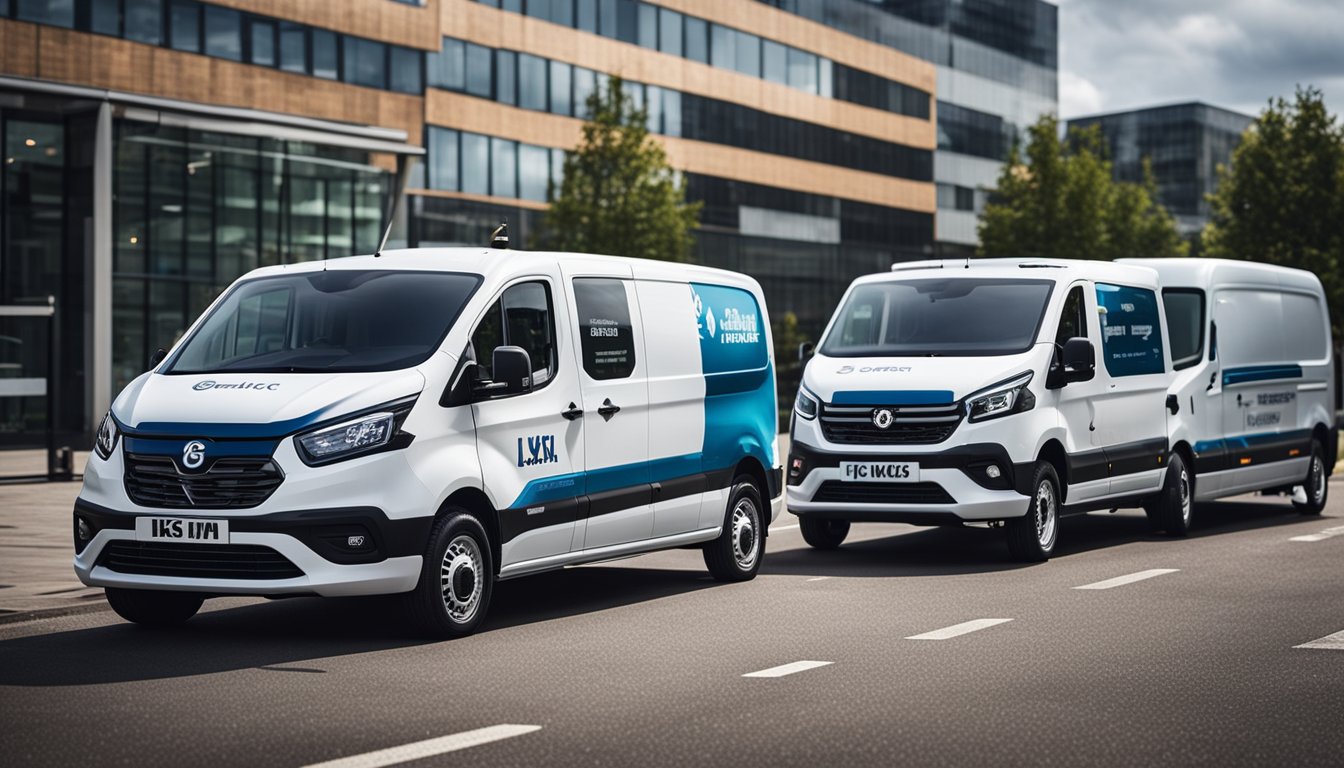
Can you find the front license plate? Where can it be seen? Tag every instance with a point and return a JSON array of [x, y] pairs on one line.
[[879, 472], [179, 529]]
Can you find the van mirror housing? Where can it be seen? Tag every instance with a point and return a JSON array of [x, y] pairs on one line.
[[159, 356], [1080, 360], [806, 350], [511, 368]]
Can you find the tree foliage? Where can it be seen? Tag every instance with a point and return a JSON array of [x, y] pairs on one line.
[[1059, 200], [1282, 201], [619, 195]]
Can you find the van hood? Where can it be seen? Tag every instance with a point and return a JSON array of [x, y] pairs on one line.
[[253, 405], [913, 380]]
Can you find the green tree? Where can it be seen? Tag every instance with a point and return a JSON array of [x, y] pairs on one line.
[[1282, 201], [619, 195], [1060, 200]]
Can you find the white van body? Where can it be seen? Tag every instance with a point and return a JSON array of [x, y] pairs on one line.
[[890, 422], [1254, 374], [651, 393]]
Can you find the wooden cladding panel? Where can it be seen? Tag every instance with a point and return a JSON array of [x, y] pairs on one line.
[[498, 29], [466, 113]]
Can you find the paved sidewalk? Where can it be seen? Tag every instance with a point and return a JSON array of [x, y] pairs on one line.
[[36, 550]]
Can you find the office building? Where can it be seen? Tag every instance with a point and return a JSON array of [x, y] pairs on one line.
[[1184, 143]]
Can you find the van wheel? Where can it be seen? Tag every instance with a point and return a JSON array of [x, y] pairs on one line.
[[736, 554], [1032, 537], [1173, 508], [456, 579], [1316, 485], [823, 534], [152, 607]]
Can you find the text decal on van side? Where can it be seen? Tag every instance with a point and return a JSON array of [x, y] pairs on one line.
[[540, 450]]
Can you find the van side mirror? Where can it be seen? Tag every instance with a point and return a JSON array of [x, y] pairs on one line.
[[805, 351], [159, 356], [1077, 362], [511, 368]]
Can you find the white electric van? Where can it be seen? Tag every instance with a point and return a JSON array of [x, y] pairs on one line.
[[1254, 381], [969, 391], [428, 421]]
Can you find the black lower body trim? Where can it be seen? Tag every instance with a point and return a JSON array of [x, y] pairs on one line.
[[971, 459], [860, 515], [326, 532], [1237, 452]]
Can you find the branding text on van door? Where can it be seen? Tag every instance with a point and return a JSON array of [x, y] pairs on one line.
[[540, 450]]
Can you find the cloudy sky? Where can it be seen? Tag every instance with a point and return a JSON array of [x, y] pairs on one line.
[[1120, 54]]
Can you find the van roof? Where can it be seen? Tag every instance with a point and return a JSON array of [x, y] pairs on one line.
[[500, 264], [1058, 270], [1205, 273]]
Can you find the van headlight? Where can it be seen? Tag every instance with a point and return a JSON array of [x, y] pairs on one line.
[[805, 404], [106, 440], [1008, 396], [365, 434]]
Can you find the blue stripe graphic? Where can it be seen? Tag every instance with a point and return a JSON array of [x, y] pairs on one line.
[[1261, 373], [906, 397], [1242, 441]]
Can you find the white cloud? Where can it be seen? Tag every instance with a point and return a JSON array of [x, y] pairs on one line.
[[1077, 95]]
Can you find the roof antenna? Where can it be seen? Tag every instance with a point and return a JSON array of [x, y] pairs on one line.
[[968, 261], [500, 237]]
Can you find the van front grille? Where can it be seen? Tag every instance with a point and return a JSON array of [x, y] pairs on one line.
[[838, 491], [855, 424], [229, 483], [200, 561]]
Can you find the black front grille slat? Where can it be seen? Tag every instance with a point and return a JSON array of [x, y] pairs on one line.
[[228, 483], [840, 492], [207, 561], [853, 424]]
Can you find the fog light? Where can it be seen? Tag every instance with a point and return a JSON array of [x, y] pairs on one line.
[[354, 542], [795, 467], [993, 472], [83, 529]]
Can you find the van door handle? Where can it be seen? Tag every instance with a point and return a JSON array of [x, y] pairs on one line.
[[574, 412], [608, 409]]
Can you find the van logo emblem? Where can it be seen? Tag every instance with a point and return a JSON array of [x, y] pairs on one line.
[[193, 454], [883, 418]]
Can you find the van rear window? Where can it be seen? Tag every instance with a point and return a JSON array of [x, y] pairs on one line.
[[605, 333], [1131, 330]]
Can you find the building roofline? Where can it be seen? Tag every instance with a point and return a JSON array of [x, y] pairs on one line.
[[1158, 107]]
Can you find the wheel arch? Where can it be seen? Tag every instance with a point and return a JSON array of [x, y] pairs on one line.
[[1052, 452], [752, 467], [1323, 433], [475, 501]]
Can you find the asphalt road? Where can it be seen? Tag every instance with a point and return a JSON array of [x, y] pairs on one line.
[[642, 662]]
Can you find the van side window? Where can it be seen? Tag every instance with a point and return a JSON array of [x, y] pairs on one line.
[[1185, 323], [1073, 322], [521, 318], [605, 333], [1131, 330]]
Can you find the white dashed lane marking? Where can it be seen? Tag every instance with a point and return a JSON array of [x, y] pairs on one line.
[[1322, 536], [429, 748], [819, 578], [1120, 581], [1333, 642], [956, 630], [789, 669]]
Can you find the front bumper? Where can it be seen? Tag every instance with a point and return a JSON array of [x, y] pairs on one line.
[[387, 562], [967, 493]]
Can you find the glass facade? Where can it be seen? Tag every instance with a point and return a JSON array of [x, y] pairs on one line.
[[192, 211], [1184, 143]]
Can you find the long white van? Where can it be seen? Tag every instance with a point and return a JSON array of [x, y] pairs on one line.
[[428, 421], [1254, 382], [949, 392]]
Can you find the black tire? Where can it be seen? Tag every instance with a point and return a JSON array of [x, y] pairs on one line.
[[1172, 510], [455, 608], [1317, 483], [737, 553], [1032, 537], [823, 534], [153, 607]]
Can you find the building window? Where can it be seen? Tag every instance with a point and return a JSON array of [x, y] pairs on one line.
[[531, 82], [104, 16], [587, 16], [802, 70], [326, 54], [448, 67], [506, 77], [475, 164], [669, 32], [585, 82], [648, 26], [365, 62], [261, 39], [722, 46], [560, 89], [697, 40], [293, 48], [443, 159], [774, 62], [478, 71], [748, 54], [404, 70], [58, 13], [144, 21], [627, 21], [503, 168], [223, 33], [607, 18], [185, 26], [534, 165]]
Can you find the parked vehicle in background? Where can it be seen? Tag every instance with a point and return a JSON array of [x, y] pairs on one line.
[[949, 392], [425, 422], [1254, 379]]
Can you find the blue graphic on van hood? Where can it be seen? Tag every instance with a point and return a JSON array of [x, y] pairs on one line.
[[259, 406]]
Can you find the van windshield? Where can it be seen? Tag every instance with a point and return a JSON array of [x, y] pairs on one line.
[[327, 322], [954, 317]]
